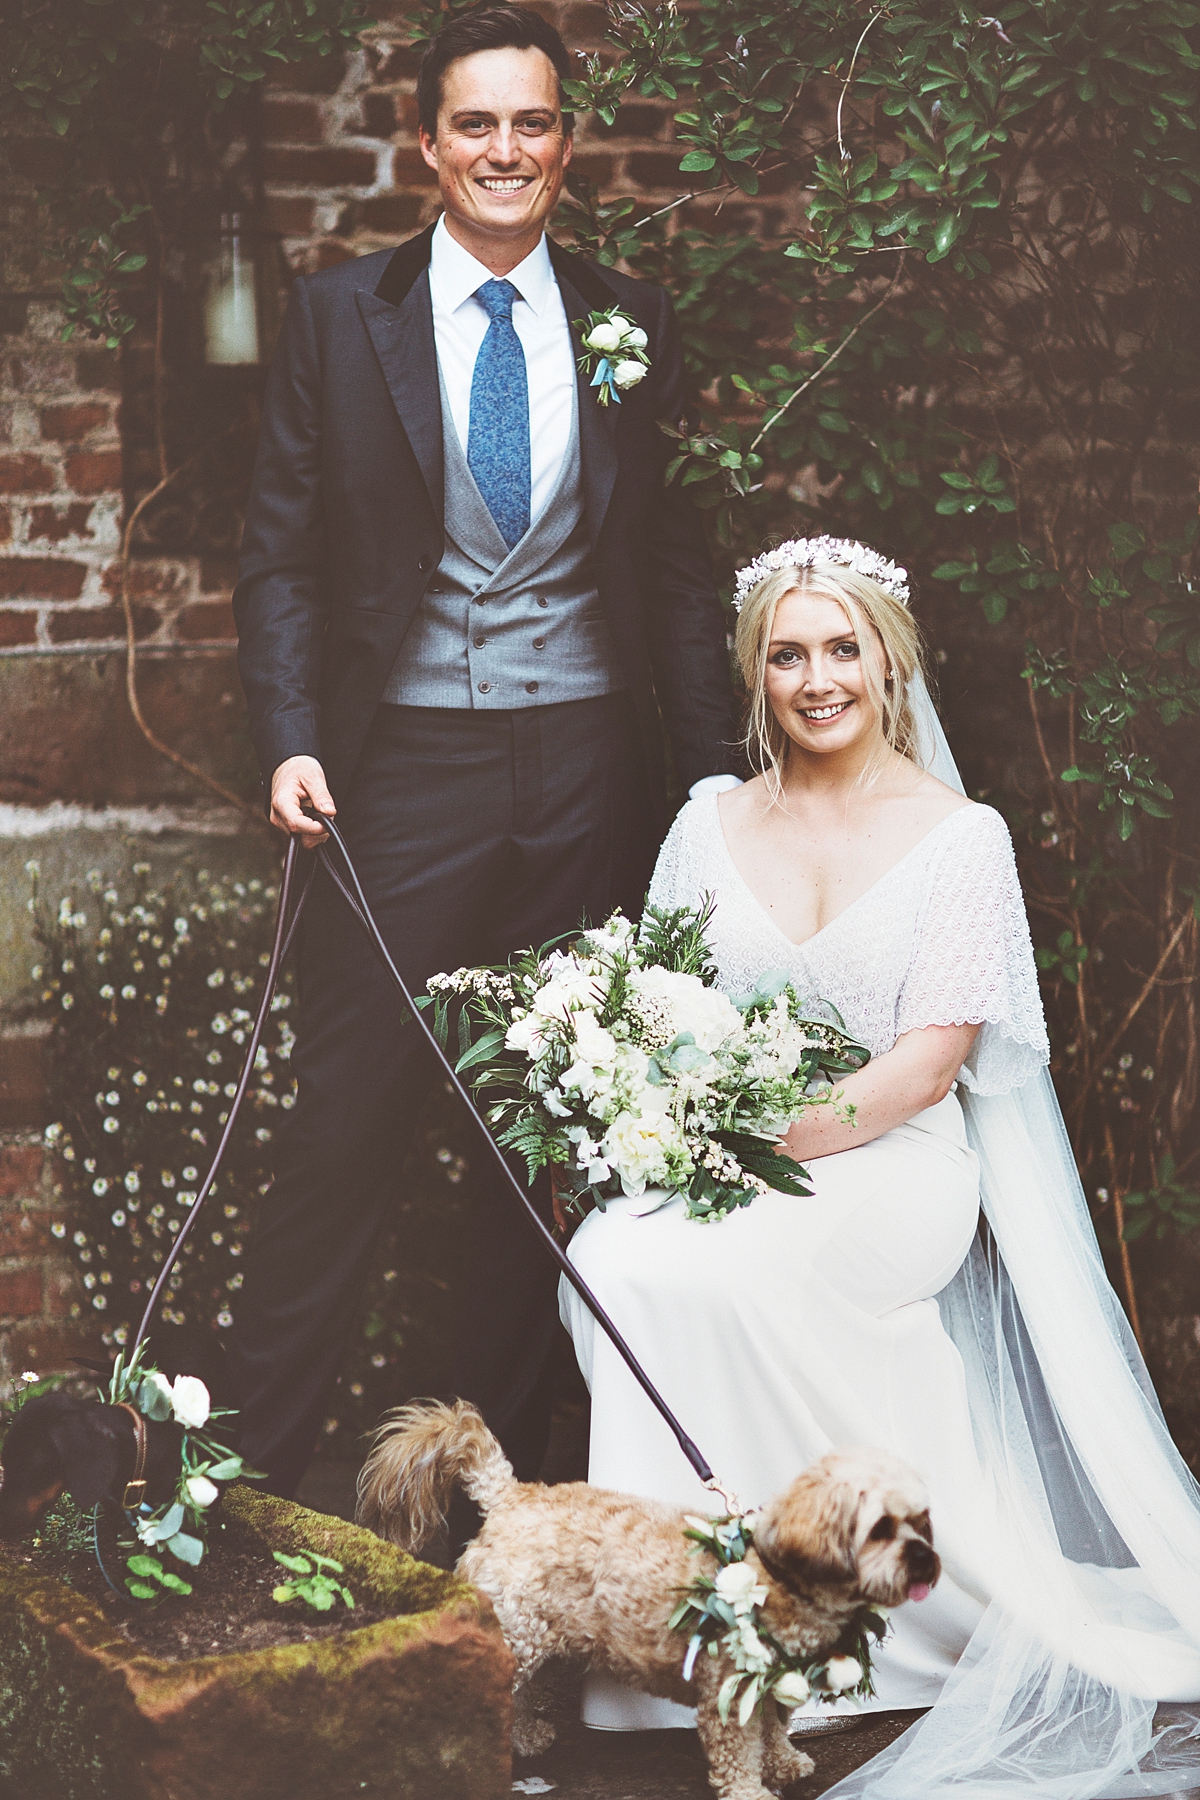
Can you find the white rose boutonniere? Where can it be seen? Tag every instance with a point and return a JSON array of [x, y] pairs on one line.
[[614, 353], [191, 1403]]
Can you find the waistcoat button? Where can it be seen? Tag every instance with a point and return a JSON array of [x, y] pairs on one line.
[[538, 643], [480, 642], [485, 687], [542, 601], [531, 687]]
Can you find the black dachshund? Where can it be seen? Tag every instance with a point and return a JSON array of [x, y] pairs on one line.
[[57, 1441]]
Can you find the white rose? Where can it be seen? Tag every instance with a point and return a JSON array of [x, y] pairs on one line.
[[842, 1672], [628, 374], [621, 325], [525, 1035], [154, 1396], [201, 1491], [736, 1581], [791, 1689], [190, 1401], [636, 338], [604, 336]]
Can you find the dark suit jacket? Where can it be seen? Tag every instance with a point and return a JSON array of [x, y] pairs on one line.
[[344, 527]]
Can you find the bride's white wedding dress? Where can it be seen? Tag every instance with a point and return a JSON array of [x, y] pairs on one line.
[[878, 1311]]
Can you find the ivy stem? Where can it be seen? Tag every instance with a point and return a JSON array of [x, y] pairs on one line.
[[131, 692], [831, 358], [842, 151]]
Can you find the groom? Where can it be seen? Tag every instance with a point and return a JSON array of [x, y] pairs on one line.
[[466, 601]]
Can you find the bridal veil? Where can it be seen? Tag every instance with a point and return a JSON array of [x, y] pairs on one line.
[[1095, 1567]]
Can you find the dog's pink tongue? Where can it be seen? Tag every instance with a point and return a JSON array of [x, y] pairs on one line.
[[919, 1590]]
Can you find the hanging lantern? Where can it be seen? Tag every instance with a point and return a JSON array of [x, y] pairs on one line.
[[233, 334]]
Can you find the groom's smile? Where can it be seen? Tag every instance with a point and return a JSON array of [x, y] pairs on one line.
[[500, 151]]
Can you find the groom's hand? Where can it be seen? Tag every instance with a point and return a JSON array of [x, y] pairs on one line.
[[298, 782]]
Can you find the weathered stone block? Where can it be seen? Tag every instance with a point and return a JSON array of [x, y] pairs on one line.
[[415, 1707]]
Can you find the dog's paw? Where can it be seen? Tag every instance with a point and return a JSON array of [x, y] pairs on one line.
[[532, 1736], [787, 1766]]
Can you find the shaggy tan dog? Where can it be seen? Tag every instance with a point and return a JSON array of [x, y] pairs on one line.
[[579, 1572]]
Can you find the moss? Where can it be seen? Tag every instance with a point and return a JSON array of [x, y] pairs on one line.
[[416, 1705]]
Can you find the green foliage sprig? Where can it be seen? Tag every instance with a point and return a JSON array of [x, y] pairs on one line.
[[313, 1581]]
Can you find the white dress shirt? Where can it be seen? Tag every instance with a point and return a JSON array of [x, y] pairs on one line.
[[539, 318]]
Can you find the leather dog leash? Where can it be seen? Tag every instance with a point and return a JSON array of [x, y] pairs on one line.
[[135, 1487], [352, 893]]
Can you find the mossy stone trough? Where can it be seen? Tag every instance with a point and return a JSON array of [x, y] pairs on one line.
[[414, 1707]]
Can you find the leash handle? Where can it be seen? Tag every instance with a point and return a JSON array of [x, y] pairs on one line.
[[284, 933]]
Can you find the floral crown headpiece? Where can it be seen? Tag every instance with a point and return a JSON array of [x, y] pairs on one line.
[[802, 553]]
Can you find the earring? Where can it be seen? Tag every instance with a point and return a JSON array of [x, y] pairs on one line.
[[889, 676]]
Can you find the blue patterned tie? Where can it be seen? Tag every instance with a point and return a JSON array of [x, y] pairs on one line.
[[498, 435]]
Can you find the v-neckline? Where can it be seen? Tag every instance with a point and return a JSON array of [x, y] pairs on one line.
[[804, 943]]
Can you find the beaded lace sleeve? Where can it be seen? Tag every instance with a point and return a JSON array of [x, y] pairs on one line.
[[973, 958], [676, 878]]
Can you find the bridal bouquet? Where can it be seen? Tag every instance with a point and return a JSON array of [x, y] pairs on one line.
[[618, 1061]]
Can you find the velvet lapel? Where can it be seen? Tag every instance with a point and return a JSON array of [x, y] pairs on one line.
[[399, 320], [583, 291]]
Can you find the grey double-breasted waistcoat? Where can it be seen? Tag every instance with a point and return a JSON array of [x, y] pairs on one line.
[[501, 628]]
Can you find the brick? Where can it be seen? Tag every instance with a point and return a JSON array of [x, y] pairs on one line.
[[62, 1288], [23, 1103], [31, 369], [378, 115], [25, 1236], [5, 525], [14, 315], [20, 1293], [41, 578], [409, 169], [53, 1349], [593, 168], [289, 215], [67, 424], [328, 167], [290, 121], [38, 158], [218, 574], [583, 22], [98, 370], [386, 212], [94, 471], [146, 579], [630, 122], [397, 62], [89, 624], [205, 619], [54, 523], [329, 252], [315, 75], [20, 1168], [25, 475], [17, 628], [656, 171]]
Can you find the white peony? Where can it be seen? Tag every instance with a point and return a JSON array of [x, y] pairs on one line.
[[627, 374], [738, 1584], [639, 1144], [708, 1014], [791, 1689], [190, 1402], [201, 1491], [636, 338], [842, 1672], [604, 336]]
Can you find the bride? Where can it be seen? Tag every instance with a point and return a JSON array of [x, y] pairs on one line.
[[940, 1293]]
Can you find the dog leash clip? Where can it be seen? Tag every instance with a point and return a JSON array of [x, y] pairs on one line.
[[733, 1505], [135, 1487]]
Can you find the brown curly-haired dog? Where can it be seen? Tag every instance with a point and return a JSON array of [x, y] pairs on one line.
[[578, 1572]]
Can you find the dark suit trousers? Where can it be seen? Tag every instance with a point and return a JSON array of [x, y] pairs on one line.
[[474, 835]]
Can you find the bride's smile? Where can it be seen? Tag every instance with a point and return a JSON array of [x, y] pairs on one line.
[[815, 676]]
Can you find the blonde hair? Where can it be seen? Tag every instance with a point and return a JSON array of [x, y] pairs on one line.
[[866, 604]]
